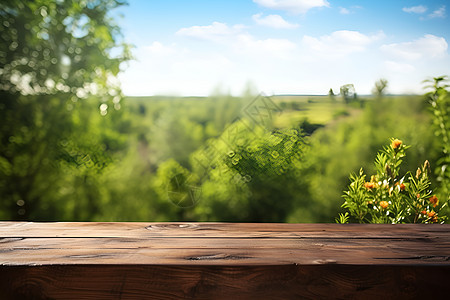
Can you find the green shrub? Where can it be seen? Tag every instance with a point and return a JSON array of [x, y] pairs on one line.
[[389, 197]]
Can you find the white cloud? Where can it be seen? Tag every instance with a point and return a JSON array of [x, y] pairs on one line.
[[213, 32], [340, 43], [179, 70], [424, 47], [420, 9], [293, 6], [438, 13], [351, 10], [193, 62], [239, 41], [274, 21], [394, 66], [280, 48], [232, 56], [344, 11], [158, 48]]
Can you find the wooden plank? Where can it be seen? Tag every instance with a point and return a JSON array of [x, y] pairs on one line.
[[237, 257], [221, 243], [270, 230], [224, 282], [195, 251]]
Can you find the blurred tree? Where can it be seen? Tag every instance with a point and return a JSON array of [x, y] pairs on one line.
[[175, 136], [60, 46], [52, 54], [331, 94], [380, 87], [251, 175], [348, 92]]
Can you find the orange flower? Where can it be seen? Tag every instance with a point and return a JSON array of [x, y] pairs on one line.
[[402, 186], [433, 216], [423, 212], [396, 143], [369, 185], [434, 200], [384, 204]]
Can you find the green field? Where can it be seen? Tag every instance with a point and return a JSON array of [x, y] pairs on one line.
[[294, 108], [314, 109]]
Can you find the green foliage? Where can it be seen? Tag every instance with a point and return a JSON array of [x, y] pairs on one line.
[[246, 169], [45, 147], [347, 144], [439, 99], [343, 218], [59, 46], [389, 197], [58, 61]]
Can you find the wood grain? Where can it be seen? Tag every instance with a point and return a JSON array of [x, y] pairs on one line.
[[224, 282], [223, 261], [270, 230]]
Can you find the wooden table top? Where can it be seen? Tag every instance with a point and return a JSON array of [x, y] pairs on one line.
[[234, 244], [223, 261]]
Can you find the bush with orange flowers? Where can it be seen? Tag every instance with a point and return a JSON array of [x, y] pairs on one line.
[[389, 197]]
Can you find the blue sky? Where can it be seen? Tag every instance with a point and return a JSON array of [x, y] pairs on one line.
[[199, 47]]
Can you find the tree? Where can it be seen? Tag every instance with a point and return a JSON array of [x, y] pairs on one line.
[[380, 88], [250, 174], [331, 94], [348, 92], [59, 46], [52, 55]]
